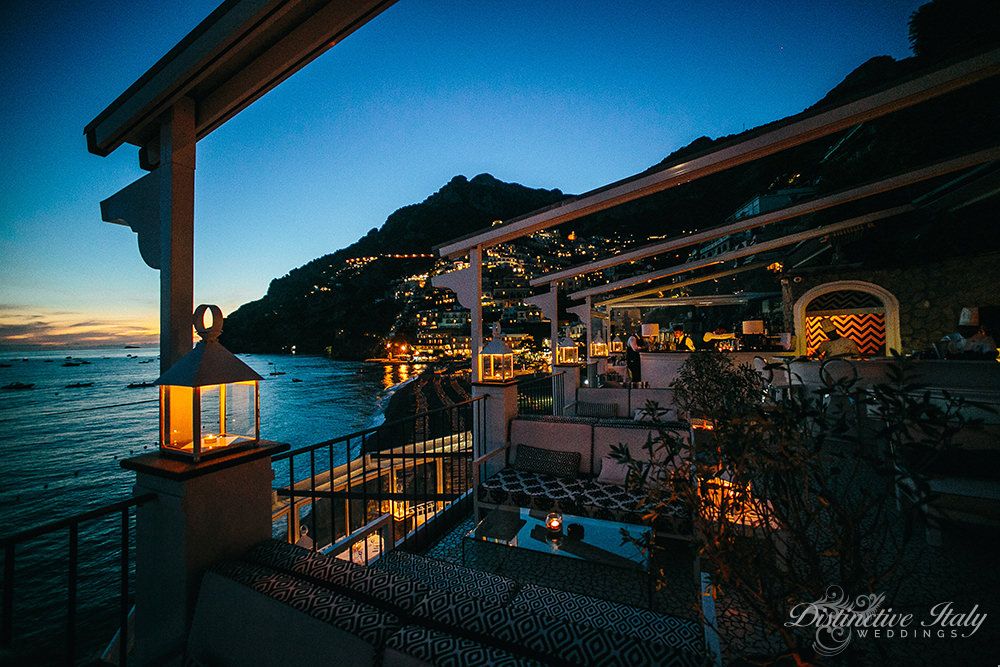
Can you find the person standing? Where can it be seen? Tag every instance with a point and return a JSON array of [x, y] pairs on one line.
[[680, 341], [633, 346]]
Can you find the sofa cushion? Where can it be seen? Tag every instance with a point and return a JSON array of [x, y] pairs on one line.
[[235, 626], [547, 461], [630, 621], [613, 471], [433, 647], [441, 575], [381, 589], [556, 640], [361, 620]]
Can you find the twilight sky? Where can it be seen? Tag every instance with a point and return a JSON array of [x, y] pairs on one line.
[[568, 95]]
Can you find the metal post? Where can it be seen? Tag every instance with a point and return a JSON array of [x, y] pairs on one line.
[[476, 266]]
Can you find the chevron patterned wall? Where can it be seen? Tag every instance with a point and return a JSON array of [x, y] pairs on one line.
[[865, 329], [845, 300]]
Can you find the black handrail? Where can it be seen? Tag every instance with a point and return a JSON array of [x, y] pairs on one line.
[[414, 469], [72, 524], [368, 431], [535, 395]]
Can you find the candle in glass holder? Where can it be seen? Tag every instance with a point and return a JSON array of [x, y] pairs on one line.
[[554, 522]]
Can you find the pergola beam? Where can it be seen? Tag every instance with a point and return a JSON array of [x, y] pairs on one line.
[[765, 246], [786, 134], [764, 219], [704, 301], [243, 49], [618, 301]]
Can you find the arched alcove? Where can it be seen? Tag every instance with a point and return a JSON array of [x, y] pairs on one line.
[[863, 312]]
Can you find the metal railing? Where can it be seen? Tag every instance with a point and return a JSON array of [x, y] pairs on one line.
[[540, 395], [413, 469], [71, 525]]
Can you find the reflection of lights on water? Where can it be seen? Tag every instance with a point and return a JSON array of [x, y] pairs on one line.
[[394, 374]]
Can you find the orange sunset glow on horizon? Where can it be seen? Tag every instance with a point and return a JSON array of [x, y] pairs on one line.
[[35, 328]]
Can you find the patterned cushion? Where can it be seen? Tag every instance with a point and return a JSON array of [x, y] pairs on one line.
[[361, 620], [381, 589], [440, 575], [630, 621], [579, 497], [547, 461], [529, 633], [445, 650]]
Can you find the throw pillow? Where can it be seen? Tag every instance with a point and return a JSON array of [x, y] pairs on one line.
[[547, 461], [613, 472]]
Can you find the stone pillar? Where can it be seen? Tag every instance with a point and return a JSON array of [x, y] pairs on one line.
[[570, 383], [498, 409], [490, 430], [204, 513]]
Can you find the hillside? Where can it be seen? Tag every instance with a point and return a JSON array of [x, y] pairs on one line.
[[348, 306]]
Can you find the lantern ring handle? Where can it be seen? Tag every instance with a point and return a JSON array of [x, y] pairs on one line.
[[208, 332]]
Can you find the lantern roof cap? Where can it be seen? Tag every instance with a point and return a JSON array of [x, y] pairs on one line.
[[209, 362], [497, 344], [566, 341]]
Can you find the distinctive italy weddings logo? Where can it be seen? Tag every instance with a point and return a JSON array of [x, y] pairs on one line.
[[837, 619]]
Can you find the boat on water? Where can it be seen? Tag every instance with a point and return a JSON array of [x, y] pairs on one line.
[[72, 363], [5, 365], [79, 385], [277, 373], [139, 385], [17, 386]]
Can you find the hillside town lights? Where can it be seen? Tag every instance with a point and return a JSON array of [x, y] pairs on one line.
[[496, 361], [209, 400], [567, 353]]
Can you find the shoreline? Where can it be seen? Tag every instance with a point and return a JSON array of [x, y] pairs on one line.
[[428, 390]]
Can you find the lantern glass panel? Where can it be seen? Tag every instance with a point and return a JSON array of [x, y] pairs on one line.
[[227, 415], [177, 418], [567, 355]]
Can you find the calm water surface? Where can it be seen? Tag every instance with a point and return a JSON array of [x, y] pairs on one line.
[[60, 449]]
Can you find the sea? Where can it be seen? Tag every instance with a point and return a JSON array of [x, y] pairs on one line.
[[60, 448]]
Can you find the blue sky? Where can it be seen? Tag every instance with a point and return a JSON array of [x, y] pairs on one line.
[[567, 95]]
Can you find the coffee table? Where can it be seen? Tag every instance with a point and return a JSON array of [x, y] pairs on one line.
[[600, 542]]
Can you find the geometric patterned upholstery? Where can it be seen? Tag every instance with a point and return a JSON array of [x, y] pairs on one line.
[[446, 650], [372, 625], [529, 634], [602, 614], [578, 497], [439, 575], [381, 589]]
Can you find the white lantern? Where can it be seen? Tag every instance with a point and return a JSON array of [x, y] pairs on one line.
[[496, 361], [567, 353], [209, 400]]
